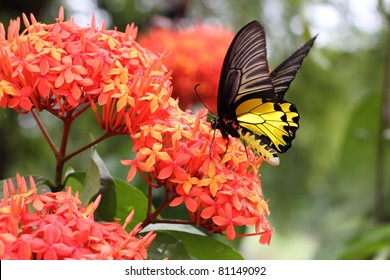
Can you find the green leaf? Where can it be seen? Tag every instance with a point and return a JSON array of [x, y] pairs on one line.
[[173, 227], [358, 151], [91, 183], [367, 244], [40, 181], [206, 248], [167, 246], [186, 246], [76, 181], [129, 198], [98, 181]]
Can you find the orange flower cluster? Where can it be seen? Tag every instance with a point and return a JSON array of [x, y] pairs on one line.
[[65, 69], [61, 228], [219, 187], [62, 67], [197, 55]]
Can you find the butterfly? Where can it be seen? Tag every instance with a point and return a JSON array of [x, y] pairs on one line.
[[251, 101]]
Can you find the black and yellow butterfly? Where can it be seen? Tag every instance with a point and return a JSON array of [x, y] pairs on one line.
[[251, 101]]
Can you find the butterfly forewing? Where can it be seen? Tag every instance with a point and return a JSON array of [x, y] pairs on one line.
[[245, 71]]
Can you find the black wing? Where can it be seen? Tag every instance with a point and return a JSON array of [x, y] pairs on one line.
[[284, 74], [245, 72]]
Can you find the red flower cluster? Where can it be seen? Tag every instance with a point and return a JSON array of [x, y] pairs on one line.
[[197, 57], [220, 188], [62, 67], [60, 228]]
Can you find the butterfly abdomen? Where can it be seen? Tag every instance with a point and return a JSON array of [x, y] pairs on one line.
[[261, 145]]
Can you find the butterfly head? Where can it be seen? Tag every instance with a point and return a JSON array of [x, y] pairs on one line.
[[218, 124], [214, 124]]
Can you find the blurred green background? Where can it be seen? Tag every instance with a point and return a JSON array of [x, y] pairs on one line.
[[330, 197]]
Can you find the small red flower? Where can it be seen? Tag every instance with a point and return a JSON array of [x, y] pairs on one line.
[[22, 100], [228, 218], [173, 166]]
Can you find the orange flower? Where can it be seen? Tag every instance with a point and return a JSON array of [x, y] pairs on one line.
[[197, 55], [60, 228]]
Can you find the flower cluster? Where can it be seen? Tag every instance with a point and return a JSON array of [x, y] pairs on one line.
[[62, 67], [60, 228], [65, 69], [196, 57], [219, 185]]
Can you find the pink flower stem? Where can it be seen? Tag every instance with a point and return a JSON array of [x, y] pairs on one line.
[[89, 145], [44, 132], [151, 217], [82, 108], [61, 154]]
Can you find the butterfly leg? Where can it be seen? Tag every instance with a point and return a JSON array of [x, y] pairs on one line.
[[227, 147], [211, 144]]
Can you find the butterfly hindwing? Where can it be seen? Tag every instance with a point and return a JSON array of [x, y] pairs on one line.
[[261, 145], [278, 122]]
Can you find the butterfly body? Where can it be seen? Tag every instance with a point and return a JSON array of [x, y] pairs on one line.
[[251, 101]]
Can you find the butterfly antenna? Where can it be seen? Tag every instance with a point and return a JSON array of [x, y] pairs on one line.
[[204, 104], [200, 99], [210, 113]]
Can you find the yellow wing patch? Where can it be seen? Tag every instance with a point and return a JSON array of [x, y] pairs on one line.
[[277, 122]]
